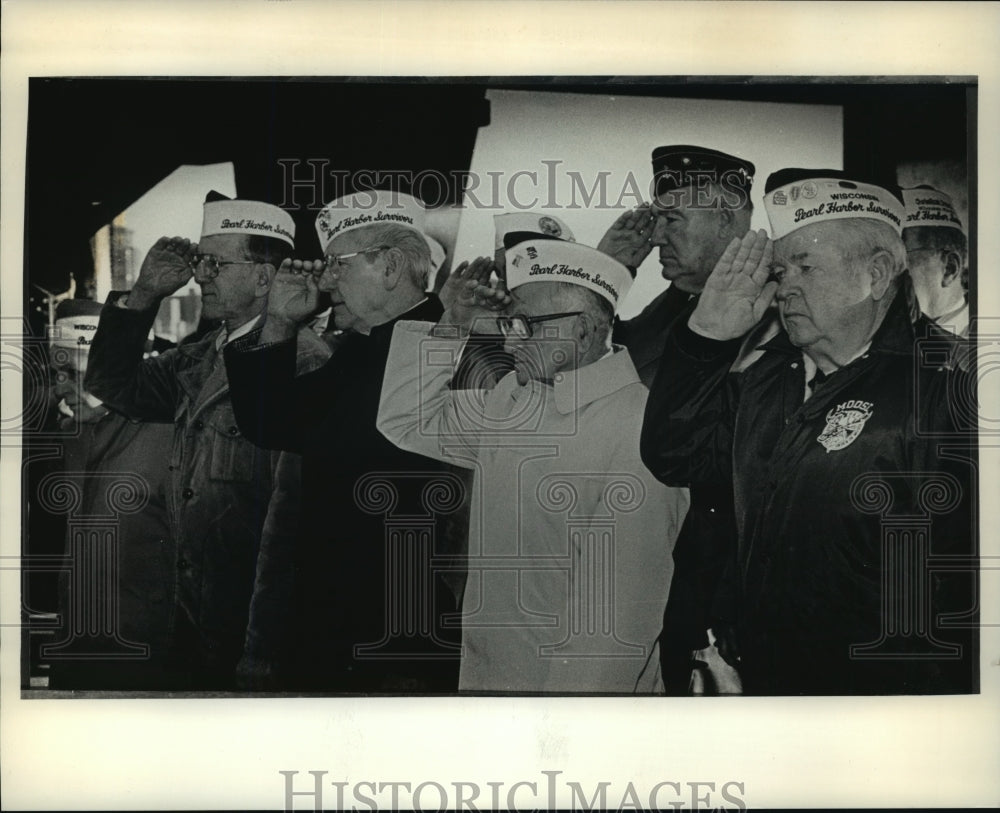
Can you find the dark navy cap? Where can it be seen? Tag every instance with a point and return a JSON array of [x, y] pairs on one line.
[[682, 165], [77, 307]]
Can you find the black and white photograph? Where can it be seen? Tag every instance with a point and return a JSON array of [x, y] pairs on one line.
[[363, 417]]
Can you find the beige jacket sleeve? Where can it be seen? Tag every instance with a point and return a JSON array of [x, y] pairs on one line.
[[418, 412]]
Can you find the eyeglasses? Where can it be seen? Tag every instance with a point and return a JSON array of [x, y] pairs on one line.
[[210, 264], [520, 326], [337, 260]]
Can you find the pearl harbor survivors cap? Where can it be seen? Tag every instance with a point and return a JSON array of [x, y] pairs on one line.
[[516, 227], [794, 198], [73, 330], [222, 215], [369, 208], [553, 260], [927, 206]]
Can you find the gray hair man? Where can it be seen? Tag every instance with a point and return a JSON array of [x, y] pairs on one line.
[[936, 254], [832, 433], [370, 607], [232, 504]]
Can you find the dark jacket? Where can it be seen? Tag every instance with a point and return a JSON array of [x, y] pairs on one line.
[[361, 497], [708, 538], [646, 333], [121, 558], [826, 492], [221, 484]]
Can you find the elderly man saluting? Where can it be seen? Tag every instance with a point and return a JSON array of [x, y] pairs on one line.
[[368, 608], [569, 549], [232, 506], [831, 439]]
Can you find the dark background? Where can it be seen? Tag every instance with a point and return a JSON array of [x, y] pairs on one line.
[[96, 145]]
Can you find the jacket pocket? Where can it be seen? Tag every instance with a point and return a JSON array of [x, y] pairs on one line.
[[233, 456]]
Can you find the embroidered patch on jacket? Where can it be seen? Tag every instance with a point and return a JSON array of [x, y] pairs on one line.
[[844, 423]]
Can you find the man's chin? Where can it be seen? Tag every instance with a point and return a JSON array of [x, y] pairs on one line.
[[677, 277], [681, 281]]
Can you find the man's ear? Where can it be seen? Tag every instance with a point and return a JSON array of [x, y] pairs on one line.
[[265, 279], [585, 332], [395, 262], [952, 268], [881, 268], [727, 222]]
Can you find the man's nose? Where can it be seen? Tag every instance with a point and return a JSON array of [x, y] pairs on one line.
[[328, 280], [659, 235], [788, 285]]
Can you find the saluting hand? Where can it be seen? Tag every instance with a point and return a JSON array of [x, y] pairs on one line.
[[293, 298], [480, 270], [472, 299], [629, 238], [166, 268], [737, 293], [294, 295]]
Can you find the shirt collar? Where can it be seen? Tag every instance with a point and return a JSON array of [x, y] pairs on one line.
[[226, 336], [957, 321]]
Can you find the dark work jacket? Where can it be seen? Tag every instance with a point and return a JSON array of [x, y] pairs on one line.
[[645, 334], [119, 465], [708, 537], [222, 489], [822, 502], [357, 490]]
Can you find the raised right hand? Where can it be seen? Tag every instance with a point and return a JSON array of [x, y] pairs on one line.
[[472, 300], [737, 293], [628, 239], [294, 295], [166, 268]]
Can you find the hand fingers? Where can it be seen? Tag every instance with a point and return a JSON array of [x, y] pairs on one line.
[[490, 297], [724, 267], [743, 251], [751, 250], [760, 271], [642, 218], [480, 269], [764, 299]]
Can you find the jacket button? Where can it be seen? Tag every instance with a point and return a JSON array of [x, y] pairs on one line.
[[183, 563], [187, 493], [199, 425], [233, 431]]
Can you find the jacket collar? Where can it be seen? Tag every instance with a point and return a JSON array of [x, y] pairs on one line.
[[201, 386]]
